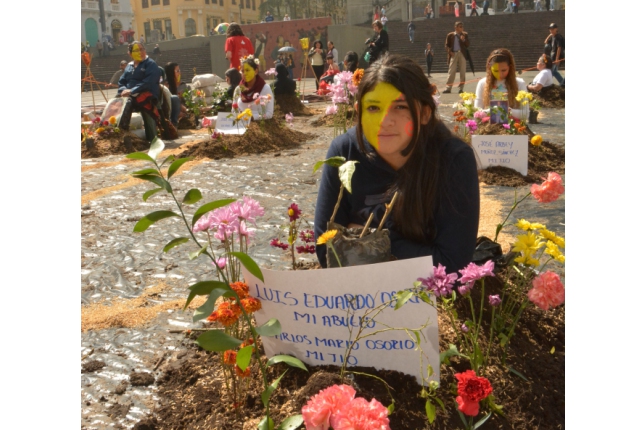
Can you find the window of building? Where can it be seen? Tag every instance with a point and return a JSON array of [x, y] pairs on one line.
[[165, 3], [147, 30], [167, 29], [234, 1], [145, 4], [190, 27], [114, 1], [253, 4], [214, 1], [155, 2], [206, 1], [221, 2], [247, 4]]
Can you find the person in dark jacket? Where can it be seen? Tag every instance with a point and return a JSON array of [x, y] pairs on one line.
[[402, 147], [283, 84], [233, 78], [380, 44]]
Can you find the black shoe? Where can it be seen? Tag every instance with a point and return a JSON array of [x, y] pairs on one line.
[[460, 91], [447, 91]]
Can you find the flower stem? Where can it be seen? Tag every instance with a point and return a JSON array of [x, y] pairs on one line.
[[515, 204], [330, 245]]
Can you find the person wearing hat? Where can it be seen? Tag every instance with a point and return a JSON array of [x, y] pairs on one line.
[[116, 76], [556, 40]]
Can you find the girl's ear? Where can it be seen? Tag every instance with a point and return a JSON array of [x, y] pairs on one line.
[[425, 115]]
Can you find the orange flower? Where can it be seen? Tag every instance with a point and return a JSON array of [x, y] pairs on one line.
[[226, 314], [229, 357], [241, 289], [251, 304], [357, 76], [246, 343], [112, 120], [245, 374], [456, 128]]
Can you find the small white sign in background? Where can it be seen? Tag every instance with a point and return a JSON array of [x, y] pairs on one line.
[[502, 150], [311, 306], [226, 125]]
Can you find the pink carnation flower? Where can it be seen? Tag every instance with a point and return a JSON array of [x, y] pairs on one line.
[[319, 409], [331, 110], [222, 262], [473, 273], [550, 189], [472, 125], [440, 283], [480, 114], [507, 126], [547, 291], [360, 414]]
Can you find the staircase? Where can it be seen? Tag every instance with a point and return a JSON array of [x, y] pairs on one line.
[[523, 34], [103, 68]]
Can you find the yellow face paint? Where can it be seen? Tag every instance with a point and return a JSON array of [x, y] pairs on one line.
[[136, 54], [495, 71], [500, 70], [248, 72], [375, 105]]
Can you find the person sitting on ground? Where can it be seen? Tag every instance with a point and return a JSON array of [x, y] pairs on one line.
[[140, 82], [251, 88], [402, 146], [327, 77], [500, 81], [283, 85], [177, 88], [351, 61], [543, 79], [113, 83]]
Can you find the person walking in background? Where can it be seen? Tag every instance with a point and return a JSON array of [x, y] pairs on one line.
[[376, 14], [515, 6], [384, 20], [237, 45], [383, 11], [412, 28], [456, 44], [553, 5], [547, 4], [474, 8], [156, 51], [428, 54], [99, 47], [538, 6], [485, 7], [456, 9], [556, 40], [427, 11]]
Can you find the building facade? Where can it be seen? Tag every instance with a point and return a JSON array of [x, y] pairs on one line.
[[105, 20]]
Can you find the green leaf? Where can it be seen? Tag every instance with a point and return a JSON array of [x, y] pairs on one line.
[[464, 420], [515, 372], [417, 333], [333, 162], [192, 196], [345, 172], [451, 352], [482, 421], [175, 242], [156, 180], [149, 193], [217, 340], [208, 306], [243, 358], [429, 371], [270, 328], [291, 361], [248, 264], [391, 408], [151, 218], [157, 145], [291, 423], [176, 165], [503, 339], [478, 357], [431, 411], [147, 172], [266, 424], [209, 207], [169, 159], [140, 156], [266, 394], [193, 255], [437, 399], [402, 298], [204, 288]]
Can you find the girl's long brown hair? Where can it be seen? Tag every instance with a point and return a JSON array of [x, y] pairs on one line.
[[501, 55], [420, 184]]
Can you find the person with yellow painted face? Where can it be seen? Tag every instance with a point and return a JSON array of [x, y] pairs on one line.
[[402, 146], [500, 80], [140, 81], [253, 91]]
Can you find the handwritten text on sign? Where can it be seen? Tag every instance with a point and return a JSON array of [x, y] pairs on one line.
[[502, 150], [226, 125], [312, 306]]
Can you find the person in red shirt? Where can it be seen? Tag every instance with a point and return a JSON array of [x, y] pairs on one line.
[[237, 45], [474, 10]]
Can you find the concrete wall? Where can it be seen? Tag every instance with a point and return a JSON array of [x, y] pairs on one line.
[[349, 38], [219, 63]]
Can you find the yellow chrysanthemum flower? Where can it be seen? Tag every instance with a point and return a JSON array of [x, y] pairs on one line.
[[536, 140], [528, 260], [468, 96], [247, 112], [537, 226], [527, 243], [549, 235], [99, 129], [327, 236], [554, 251], [523, 224]]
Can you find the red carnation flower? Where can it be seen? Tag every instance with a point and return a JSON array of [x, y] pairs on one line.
[[471, 389], [234, 106]]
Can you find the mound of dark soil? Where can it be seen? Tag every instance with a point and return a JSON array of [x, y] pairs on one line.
[[330, 120], [290, 104], [113, 144], [193, 393], [271, 136], [187, 122], [550, 97]]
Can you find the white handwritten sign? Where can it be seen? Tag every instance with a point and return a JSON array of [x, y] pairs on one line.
[[312, 306], [226, 125], [510, 151]]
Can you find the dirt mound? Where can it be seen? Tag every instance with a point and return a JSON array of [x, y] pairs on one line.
[[550, 97], [113, 144], [271, 136], [290, 104], [330, 120], [187, 122], [193, 393]]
